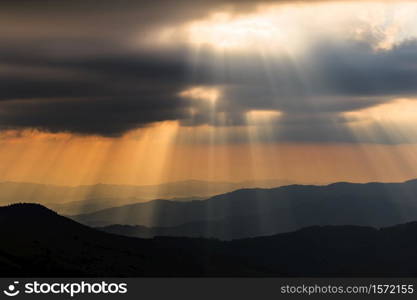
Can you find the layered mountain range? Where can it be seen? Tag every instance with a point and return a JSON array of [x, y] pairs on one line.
[[257, 212]]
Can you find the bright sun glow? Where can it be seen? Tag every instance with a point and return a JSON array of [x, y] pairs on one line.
[[222, 31], [291, 28]]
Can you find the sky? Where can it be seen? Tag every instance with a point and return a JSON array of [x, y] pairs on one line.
[[145, 92]]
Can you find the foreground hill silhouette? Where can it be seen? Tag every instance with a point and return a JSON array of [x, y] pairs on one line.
[[38, 242], [257, 212]]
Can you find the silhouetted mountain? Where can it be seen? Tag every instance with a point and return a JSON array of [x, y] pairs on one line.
[[95, 204], [254, 212], [38, 242], [225, 229], [88, 198]]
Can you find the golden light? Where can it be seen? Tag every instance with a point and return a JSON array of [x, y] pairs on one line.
[[154, 154], [209, 94], [401, 110], [395, 121], [223, 31], [262, 116], [141, 159]]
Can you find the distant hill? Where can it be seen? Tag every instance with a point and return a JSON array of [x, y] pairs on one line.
[[88, 198], [224, 229], [255, 212], [37, 242], [95, 204]]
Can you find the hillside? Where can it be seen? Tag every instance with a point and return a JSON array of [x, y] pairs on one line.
[[255, 212], [38, 242]]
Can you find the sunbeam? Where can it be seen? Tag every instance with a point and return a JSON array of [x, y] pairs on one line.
[[136, 103]]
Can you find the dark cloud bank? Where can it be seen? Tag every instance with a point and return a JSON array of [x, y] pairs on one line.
[[68, 68]]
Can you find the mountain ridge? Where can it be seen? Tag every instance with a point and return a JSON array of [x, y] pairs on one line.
[[278, 210], [78, 199], [38, 242]]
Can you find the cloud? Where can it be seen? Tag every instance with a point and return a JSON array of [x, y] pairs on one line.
[[82, 67], [106, 116], [105, 96]]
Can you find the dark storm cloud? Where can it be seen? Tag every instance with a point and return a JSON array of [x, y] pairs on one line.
[[106, 98], [90, 76], [74, 67], [106, 117], [331, 80], [355, 69], [314, 93]]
